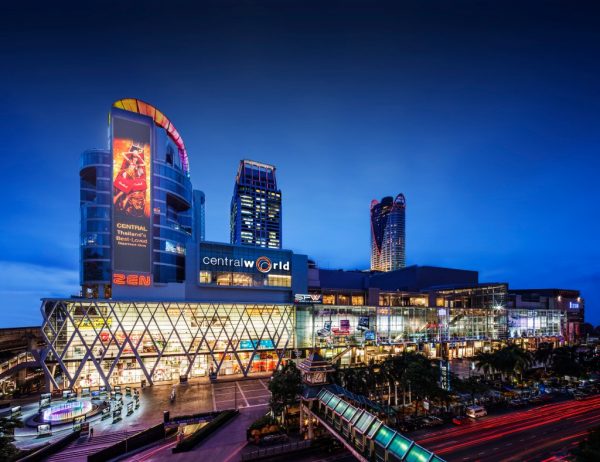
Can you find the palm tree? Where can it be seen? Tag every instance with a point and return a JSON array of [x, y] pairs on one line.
[[484, 361], [543, 355]]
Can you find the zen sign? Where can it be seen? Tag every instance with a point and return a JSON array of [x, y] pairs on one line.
[[308, 298]]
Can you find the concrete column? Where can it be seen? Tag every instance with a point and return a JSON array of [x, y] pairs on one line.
[[301, 425], [311, 434]]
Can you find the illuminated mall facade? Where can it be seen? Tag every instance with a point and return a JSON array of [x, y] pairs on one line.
[[158, 303]]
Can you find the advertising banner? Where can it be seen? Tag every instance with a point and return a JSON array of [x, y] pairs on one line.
[[363, 323], [132, 230]]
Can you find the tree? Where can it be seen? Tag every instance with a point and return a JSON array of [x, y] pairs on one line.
[[7, 450], [421, 376], [285, 386], [484, 361], [511, 359], [566, 361], [471, 385], [543, 354]]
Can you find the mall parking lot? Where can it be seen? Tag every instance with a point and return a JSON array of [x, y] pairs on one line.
[[240, 394]]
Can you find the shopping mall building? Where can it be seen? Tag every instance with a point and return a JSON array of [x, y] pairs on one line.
[[160, 304]]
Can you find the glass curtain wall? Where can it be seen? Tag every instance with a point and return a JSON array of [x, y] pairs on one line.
[[97, 343]]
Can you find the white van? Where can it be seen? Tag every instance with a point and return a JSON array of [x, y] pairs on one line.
[[476, 411]]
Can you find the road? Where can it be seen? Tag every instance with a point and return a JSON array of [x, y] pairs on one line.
[[530, 435]]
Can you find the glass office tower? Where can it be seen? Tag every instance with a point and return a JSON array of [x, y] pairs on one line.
[[256, 206], [388, 233]]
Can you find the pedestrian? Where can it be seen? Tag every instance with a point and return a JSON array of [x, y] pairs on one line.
[[91, 431]]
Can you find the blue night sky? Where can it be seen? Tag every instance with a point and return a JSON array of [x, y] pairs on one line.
[[484, 114]]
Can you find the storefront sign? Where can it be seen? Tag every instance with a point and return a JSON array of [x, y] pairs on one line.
[[251, 344], [308, 298], [94, 323], [262, 264], [143, 280]]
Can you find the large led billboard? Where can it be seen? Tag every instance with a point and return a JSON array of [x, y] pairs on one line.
[[132, 228]]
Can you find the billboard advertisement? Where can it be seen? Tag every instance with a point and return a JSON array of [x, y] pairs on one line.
[[132, 228]]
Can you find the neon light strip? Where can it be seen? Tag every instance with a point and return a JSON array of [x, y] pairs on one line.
[[140, 107]]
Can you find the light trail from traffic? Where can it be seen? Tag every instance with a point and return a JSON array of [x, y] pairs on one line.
[[539, 426]]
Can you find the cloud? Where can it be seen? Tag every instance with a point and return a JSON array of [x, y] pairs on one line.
[[22, 285]]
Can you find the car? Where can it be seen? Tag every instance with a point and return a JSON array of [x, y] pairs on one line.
[[461, 420], [476, 411]]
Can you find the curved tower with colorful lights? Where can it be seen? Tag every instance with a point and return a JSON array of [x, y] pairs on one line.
[[136, 203], [388, 233]]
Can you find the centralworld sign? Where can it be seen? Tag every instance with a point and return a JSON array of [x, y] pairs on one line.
[[262, 264]]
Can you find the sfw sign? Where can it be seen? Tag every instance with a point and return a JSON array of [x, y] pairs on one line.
[[308, 298]]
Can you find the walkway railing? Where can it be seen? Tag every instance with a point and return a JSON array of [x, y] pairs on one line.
[[276, 450]]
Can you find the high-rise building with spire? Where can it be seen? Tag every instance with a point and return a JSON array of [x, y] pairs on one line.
[[388, 233]]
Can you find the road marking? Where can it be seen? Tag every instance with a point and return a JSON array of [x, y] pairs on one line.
[[242, 392], [234, 453], [263, 384]]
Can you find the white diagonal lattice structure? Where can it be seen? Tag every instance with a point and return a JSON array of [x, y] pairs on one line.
[[109, 343]]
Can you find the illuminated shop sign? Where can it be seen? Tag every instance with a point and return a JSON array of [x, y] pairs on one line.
[[262, 264], [262, 311], [131, 201], [252, 344], [344, 328], [573, 305], [363, 323], [308, 298], [94, 323], [144, 280]]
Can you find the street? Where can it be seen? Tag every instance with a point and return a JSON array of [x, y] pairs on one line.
[[529, 435]]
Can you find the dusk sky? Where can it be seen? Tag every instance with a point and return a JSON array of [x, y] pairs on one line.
[[485, 114]]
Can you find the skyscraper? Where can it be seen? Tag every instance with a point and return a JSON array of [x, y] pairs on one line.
[[388, 233], [256, 206]]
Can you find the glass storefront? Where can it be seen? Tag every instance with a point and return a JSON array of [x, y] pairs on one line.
[[98, 342]]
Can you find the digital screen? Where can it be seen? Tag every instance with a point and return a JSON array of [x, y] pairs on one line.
[[132, 160], [369, 335], [363, 323], [345, 324], [250, 344]]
